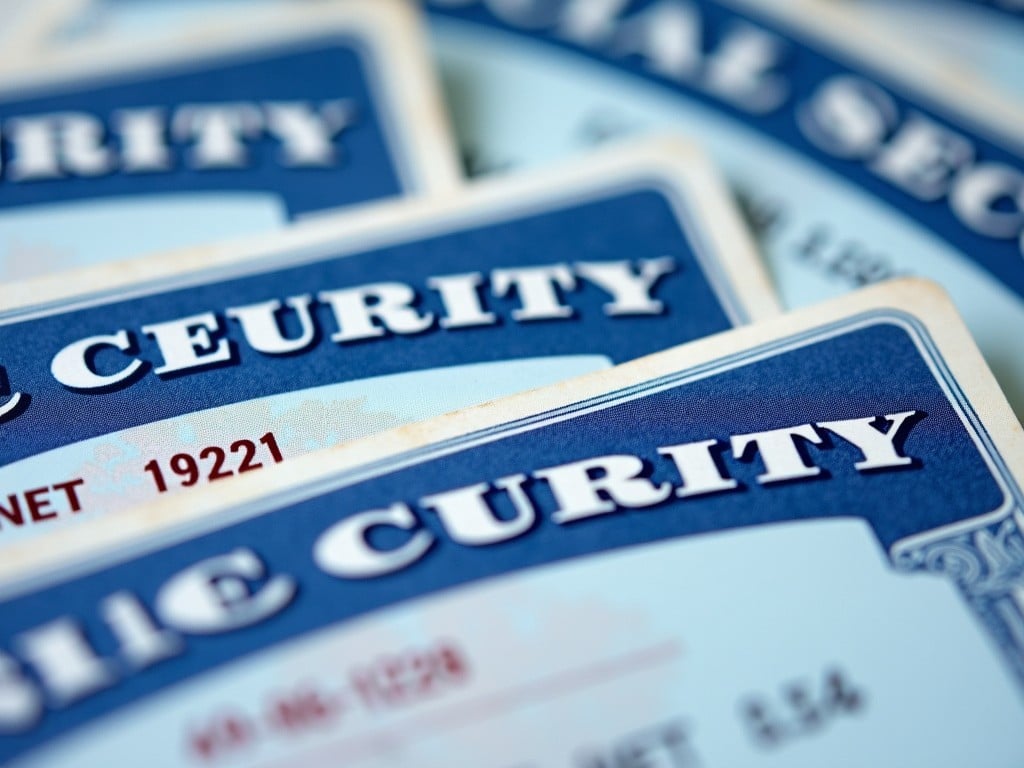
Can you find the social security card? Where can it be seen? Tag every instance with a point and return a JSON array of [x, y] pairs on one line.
[[794, 544], [166, 374], [856, 162], [115, 150]]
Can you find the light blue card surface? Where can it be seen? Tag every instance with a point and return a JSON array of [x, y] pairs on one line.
[[794, 544]]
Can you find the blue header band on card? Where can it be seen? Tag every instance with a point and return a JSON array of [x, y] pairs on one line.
[[108, 364], [310, 125]]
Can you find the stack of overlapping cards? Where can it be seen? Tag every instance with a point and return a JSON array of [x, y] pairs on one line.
[[319, 447]]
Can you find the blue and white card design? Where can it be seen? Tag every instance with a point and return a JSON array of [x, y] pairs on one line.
[[143, 379], [795, 544], [854, 169], [112, 151]]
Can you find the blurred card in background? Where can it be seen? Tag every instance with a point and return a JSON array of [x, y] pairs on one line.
[[121, 148], [521, 584], [852, 170], [166, 373]]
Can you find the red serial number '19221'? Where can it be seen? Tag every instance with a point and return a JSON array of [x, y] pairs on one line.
[[215, 463], [183, 470]]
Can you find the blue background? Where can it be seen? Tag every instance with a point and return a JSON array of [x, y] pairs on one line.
[[317, 70], [865, 372], [622, 225]]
